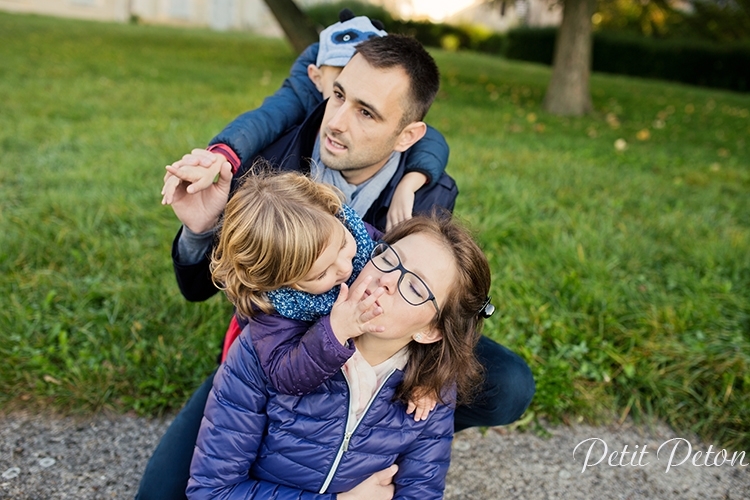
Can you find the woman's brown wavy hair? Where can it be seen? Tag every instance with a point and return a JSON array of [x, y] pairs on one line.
[[435, 367], [274, 228]]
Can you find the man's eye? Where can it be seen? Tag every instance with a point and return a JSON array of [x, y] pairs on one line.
[[366, 113], [338, 95]]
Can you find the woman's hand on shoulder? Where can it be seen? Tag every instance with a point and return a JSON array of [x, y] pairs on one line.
[[379, 486]]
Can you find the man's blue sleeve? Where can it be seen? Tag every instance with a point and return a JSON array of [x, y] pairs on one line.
[[255, 130], [429, 156]]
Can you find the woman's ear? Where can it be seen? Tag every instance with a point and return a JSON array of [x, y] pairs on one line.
[[428, 336], [315, 76]]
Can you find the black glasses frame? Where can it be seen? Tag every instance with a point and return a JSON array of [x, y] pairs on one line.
[[400, 267]]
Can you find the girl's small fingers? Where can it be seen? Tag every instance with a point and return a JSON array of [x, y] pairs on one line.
[[343, 294], [368, 302], [371, 313], [359, 290]]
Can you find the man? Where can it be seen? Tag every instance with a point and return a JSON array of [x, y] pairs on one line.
[[358, 141]]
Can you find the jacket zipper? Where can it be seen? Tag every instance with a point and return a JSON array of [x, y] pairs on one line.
[[348, 434]]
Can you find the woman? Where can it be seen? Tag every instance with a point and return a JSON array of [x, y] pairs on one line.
[[257, 443]]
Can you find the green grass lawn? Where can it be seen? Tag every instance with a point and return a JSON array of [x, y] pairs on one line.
[[622, 277]]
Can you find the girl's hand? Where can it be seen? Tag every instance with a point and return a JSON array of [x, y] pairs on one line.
[[354, 310], [421, 407]]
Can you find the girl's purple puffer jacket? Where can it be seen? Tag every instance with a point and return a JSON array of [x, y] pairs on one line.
[[257, 443]]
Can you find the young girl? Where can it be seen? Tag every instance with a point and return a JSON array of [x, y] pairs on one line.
[[289, 246]]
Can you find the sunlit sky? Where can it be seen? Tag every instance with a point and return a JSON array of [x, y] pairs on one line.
[[437, 10]]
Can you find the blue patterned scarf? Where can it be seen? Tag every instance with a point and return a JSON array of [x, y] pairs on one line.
[[296, 304]]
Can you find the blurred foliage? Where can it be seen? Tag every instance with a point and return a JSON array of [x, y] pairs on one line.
[[718, 21], [696, 62]]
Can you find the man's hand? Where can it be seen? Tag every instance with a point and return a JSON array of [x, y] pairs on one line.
[[402, 203], [379, 486], [353, 311], [201, 210]]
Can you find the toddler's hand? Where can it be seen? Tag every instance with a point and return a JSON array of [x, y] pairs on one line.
[[402, 203], [200, 169], [354, 310], [171, 183], [421, 407]]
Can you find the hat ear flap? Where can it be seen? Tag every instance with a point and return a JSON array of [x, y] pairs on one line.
[[345, 15], [378, 24]]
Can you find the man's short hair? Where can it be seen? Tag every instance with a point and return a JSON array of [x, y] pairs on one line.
[[406, 52]]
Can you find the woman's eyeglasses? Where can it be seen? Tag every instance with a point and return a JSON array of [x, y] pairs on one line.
[[411, 287]]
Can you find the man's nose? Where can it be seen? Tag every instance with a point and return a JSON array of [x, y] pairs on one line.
[[337, 123]]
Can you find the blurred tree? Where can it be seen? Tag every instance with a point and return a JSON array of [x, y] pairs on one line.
[[568, 92], [298, 27]]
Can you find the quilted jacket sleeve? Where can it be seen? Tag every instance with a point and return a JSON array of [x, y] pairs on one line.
[[424, 465], [231, 432], [254, 130], [429, 156], [296, 356]]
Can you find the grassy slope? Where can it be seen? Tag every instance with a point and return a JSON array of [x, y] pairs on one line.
[[622, 277]]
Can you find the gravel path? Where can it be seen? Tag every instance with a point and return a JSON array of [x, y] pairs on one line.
[[48, 457]]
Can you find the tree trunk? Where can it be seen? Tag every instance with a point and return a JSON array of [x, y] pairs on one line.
[[568, 92], [298, 28]]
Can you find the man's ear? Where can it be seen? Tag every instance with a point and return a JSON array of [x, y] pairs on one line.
[[428, 336], [314, 73], [409, 136]]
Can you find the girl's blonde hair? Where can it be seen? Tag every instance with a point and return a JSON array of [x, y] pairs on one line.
[[274, 229]]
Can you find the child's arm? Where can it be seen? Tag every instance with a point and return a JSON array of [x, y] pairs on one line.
[[254, 130], [251, 132], [429, 156], [425, 164], [297, 357], [402, 203]]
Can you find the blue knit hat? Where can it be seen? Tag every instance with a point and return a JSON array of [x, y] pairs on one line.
[[338, 41]]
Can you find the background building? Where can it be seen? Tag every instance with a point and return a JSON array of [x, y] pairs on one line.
[[255, 16]]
